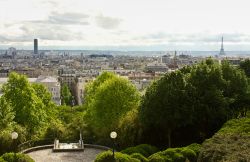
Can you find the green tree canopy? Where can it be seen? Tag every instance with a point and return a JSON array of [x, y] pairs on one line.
[[43, 93], [245, 66], [66, 95], [28, 107], [196, 99], [110, 101]]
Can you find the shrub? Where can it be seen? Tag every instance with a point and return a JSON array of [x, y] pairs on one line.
[[156, 158], [119, 157], [195, 147], [175, 154], [143, 149], [16, 157], [159, 157], [190, 154], [107, 156], [230, 143], [2, 160], [131, 150], [139, 157], [148, 148], [10, 157]]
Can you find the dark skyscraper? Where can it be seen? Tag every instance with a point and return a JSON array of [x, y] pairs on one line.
[[35, 46]]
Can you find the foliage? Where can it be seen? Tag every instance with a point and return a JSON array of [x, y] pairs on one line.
[[129, 129], [66, 95], [161, 108], [230, 143], [2, 160], [16, 157], [55, 130], [28, 107], [43, 93], [195, 147], [245, 66], [110, 101], [6, 115], [107, 156], [176, 155], [139, 157], [143, 149], [194, 101], [157, 157]]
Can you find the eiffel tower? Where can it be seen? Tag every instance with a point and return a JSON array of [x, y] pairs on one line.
[[222, 52]]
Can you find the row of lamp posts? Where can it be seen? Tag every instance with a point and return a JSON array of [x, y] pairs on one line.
[[113, 135]]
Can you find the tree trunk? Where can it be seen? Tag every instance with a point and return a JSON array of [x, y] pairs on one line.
[[169, 138]]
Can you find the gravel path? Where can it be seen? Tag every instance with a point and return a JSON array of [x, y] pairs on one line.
[[47, 155]]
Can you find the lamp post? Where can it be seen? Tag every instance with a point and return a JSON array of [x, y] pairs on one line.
[[14, 136], [113, 136]]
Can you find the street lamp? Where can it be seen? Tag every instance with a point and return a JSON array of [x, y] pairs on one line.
[[14, 136], [113, 136]]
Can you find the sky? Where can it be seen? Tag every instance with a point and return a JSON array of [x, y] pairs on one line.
[[125, 24]]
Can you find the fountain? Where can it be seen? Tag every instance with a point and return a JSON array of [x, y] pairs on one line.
[[62, 147]]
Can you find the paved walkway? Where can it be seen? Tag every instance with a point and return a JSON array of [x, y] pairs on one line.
[[47, 155]]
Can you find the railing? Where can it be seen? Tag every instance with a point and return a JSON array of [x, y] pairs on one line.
[[34, 145]]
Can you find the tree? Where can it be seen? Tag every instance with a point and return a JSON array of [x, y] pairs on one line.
[[110, 101], [66, 95], [164, 107], [28, 107], [43, 93], [245, 66], [6, 115], [197, 99], [236, 89]]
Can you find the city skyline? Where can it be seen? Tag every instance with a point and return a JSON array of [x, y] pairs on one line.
[[125, 25]]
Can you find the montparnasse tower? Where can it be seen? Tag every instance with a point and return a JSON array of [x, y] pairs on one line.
[[222, 52]]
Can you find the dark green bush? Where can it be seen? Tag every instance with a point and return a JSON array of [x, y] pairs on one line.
[[159, 157], [189, 154], [2, 160], [148, 148], [156, 158], [131, 150], [10, 157], [107, 156], [195, 147], [174, 154], [143, 149], [139, 157], [16, 157]]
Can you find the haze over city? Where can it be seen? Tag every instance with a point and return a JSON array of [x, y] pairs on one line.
[[125, 25]]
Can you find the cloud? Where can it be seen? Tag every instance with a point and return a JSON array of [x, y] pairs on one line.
[[48, 32], [162, 37], [69, 18], [107, 22], [55, 27], [42, 31]]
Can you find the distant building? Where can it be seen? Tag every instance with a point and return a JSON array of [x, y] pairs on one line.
[[35, 46], [53, 86], [156, 67]]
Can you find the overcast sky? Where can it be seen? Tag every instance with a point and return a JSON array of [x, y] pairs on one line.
[[125, 24]]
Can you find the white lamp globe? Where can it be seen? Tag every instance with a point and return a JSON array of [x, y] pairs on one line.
[[14, 135], [113, 135]]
